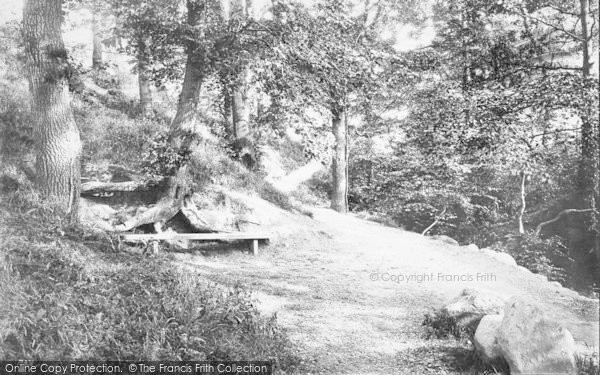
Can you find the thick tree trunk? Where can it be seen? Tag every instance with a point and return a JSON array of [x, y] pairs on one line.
[[186, 123], [58, 147], [589, 174], [339, 196], [97, 43], [145, 93]]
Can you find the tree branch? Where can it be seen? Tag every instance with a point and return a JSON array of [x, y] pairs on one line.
[[437, 220], [574, 36], [562, 213]]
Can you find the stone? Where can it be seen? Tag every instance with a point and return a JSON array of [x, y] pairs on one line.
[[471, 247], [484, 339], [531, 343], [500, 256], [471, 305], [445, 239], [555, 284]]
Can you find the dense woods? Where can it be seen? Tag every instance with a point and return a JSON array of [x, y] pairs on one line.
[[473, 119]]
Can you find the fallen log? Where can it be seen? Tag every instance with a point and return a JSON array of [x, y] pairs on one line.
[[97, 187]]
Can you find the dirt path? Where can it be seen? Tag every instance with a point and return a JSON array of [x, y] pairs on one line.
[[328, 280]]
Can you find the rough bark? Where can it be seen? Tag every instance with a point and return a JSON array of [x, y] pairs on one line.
[[339, 196], [58, 145], [589, 175], [186, 121], [97, 43]]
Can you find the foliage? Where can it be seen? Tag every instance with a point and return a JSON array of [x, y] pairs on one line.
[[160, 158], [69, 296], [587, 365], [111, 136], [547, 256]]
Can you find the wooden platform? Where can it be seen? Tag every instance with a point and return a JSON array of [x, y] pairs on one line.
[[252, 237]]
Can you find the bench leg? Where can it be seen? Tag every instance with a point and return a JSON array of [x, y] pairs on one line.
[[254, 247]]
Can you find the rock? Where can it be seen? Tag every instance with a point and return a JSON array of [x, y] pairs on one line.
[[102, 211], [445, 239], [500, 256], [531, 343], [485, 338], [471, 305], [541, 277], [555, 284], [471, 247]]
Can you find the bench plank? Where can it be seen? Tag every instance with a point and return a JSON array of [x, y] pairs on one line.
[[193, 236]]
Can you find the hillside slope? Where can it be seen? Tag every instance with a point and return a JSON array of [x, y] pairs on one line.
[[323, 277]]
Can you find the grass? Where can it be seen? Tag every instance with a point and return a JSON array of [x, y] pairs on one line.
[[67, 294], [441, 325]]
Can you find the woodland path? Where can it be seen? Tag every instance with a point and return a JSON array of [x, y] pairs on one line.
[[317, 275]]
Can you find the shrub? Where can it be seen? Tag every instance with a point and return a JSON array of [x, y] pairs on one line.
[[587, 365], [547, 256], [441, 325]]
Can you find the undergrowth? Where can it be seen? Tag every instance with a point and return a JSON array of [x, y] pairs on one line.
[[68, 294], [441, 325]]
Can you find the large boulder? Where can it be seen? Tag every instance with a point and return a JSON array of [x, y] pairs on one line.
[[445, 239], [484, 339], [500, 256], [471, 305], [531, 343]]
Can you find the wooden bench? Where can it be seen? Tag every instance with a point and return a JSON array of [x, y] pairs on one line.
[[252, 237]]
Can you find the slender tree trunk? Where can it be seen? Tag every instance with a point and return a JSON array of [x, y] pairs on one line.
[[523, 202], [584, 6], [145, 93], [97, 41], [241, 109], [339, 196], [228, 111], [58, 145]]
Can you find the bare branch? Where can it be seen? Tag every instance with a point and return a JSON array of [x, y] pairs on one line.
[[437, 220], [556, 27], [559, 216]]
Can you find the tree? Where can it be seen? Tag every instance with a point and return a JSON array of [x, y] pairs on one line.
[[97, 41], [332, 56], [58, 145]]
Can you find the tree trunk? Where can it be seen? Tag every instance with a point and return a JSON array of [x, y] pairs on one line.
[[227, 110], [97, 41], [589, 174], [145, 93], [523, 203], [186, 124], [584, 6], [339, 196], [241, 110], [58, 146]]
